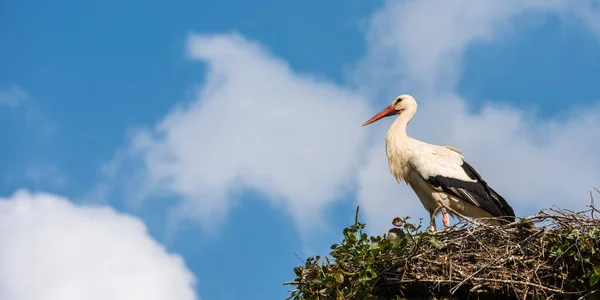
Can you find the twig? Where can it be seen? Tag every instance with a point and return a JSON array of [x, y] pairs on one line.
[[298, 257], [489, 263]]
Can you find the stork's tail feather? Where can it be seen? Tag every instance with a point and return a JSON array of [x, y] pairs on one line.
[[507, 211]]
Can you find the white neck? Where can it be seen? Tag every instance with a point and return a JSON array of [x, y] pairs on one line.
[[398, 128], [398, 144]]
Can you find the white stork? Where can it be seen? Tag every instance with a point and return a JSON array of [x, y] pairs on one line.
[[439, 175]]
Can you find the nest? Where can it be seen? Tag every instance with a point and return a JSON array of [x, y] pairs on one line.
[[551, 255], [534, 256]]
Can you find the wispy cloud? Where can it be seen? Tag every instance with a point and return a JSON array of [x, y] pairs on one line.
[[588, 11], [47, 173], [52, 249], [40, 174], [422, 43], [16, 97], [29, 121], [12, 96], [255, 125]]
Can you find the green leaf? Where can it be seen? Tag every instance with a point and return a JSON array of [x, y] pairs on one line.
[[325, 292], [371, 273], [437, 244], [339, 277], [596, 270], [409, 226], [375, 246], [594, 279], [396, 234]]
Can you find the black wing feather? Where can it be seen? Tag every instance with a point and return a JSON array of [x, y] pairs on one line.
[[477, 193]]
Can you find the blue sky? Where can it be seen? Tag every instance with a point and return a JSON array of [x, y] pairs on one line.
[[232, 130]]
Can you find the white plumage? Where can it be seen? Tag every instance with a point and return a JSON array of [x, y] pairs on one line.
[[438, 175]]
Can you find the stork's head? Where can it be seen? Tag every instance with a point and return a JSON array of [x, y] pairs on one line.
[[400, 104]]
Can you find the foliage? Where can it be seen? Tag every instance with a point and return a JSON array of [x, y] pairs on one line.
[[552, 255]]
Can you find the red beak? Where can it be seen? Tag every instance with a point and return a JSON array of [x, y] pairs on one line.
[[386, 112]]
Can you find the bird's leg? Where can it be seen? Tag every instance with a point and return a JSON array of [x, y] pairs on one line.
[[445, 218], [432, 222]]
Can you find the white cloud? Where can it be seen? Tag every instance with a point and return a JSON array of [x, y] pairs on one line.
[[423, 42], [534, 163], [12, 96], [53, 249], [255, 124]]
